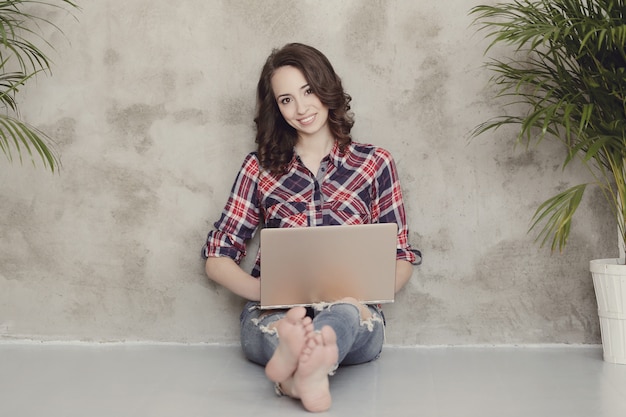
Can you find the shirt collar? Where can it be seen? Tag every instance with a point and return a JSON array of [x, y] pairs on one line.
[[336, 156]]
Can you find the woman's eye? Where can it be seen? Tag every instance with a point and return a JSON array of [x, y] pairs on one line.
[[285, 100], [308, 91]]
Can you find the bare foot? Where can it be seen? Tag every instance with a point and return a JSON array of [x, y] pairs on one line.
[[293, 331], [317, 359]]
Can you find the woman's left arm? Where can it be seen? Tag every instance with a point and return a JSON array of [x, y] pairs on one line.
[[404, 270], [390, 209]]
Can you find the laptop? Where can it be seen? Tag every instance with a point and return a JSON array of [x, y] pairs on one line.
[[308, 265]]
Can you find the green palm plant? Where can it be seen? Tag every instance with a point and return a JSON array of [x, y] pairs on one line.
[[20, 60], [567, 71]]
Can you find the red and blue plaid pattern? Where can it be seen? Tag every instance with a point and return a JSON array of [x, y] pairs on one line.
[[355, 187]]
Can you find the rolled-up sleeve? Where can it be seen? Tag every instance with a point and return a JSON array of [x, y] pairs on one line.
[[240, 217]]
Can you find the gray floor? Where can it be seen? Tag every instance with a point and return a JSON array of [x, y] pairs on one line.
[[177, 380]]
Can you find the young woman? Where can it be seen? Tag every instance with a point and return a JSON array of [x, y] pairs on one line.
[[307, 171]]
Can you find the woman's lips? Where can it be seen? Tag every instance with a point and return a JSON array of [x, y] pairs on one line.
[[307, 120]]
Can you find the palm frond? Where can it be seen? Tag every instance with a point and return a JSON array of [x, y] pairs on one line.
[[17, 135], [21, 59], [567, 68], [556, 213]]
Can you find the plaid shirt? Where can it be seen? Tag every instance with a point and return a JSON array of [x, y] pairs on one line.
[[356, 187]]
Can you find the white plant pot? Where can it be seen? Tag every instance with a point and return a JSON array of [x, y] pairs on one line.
[[609, 282]]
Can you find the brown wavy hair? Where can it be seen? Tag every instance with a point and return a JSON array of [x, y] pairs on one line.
[[275, 138]]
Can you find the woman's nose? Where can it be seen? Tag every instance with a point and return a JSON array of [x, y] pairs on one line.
[[301, 106]]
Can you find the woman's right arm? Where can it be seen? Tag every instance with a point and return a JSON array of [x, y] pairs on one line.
[[228, 274], [227, 243]]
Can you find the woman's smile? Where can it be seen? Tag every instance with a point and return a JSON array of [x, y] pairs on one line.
[[307, 120]]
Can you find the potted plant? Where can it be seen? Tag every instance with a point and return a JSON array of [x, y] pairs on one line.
[[21, 60], [567, 71]]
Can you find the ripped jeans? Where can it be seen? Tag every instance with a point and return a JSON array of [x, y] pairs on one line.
[[358, 341]]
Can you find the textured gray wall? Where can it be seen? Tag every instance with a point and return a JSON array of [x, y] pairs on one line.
[[151, 104]]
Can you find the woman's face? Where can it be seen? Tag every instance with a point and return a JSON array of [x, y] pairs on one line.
[[297, 102]]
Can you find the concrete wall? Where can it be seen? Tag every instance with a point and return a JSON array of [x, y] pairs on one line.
[[151, 104]]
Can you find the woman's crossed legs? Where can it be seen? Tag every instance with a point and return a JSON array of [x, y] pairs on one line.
[[300, 353]]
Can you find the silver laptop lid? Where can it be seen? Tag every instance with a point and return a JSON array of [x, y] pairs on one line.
[[309, 265]]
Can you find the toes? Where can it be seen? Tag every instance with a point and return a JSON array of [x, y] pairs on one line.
[[314, 339], [296, 314], [307, 351], [328, 336], [308, 328]]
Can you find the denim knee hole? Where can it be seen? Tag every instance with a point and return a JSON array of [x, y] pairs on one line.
[[265, 328], [369, 323]]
